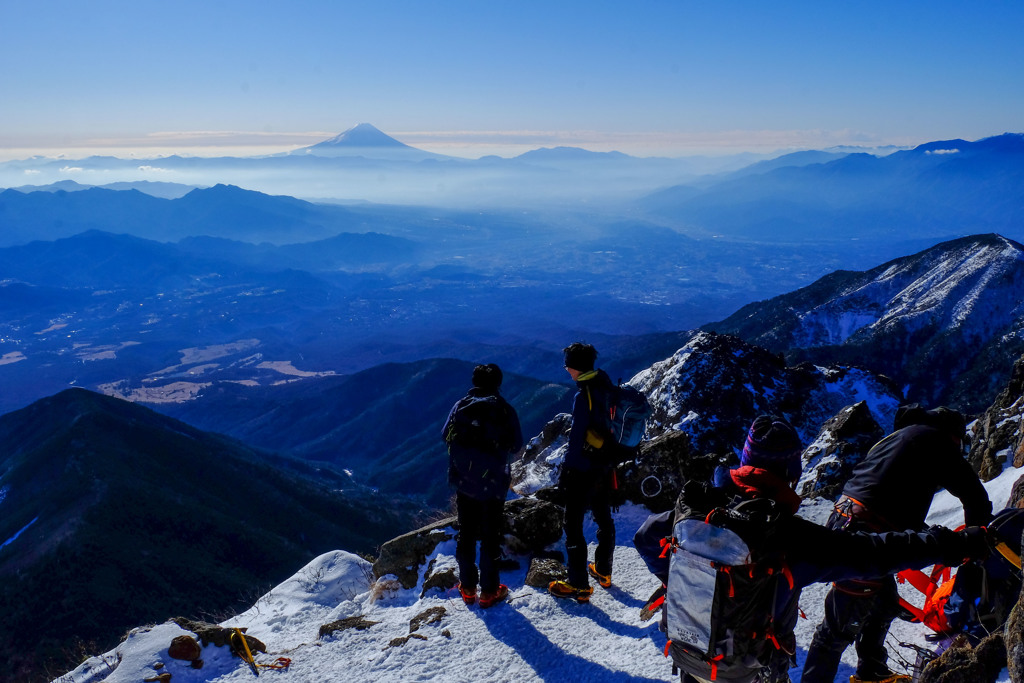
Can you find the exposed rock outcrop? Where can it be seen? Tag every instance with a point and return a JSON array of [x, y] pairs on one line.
[[997, 434], [531, 525], [961, 663], [403, 556], [841, 444]]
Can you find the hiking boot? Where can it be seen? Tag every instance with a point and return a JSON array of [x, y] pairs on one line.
[[603, 580], [890, 678], [564, 589], [653, 604], [468, 594], [490, 599]]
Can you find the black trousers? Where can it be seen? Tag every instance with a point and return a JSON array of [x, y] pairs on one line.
[[850, 618], [587, 490], [479, 521]]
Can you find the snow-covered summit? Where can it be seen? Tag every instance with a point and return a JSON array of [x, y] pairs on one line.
[[361, 135], [365, 140], [715, 385], [378, 631], [971, 286]]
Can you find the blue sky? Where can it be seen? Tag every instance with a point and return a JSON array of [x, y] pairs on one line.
[[489, 76]]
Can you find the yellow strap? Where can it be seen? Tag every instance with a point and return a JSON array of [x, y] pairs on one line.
[[593, 438], [1011, 556]]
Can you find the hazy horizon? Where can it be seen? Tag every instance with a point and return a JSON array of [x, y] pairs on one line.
[[667, 79]]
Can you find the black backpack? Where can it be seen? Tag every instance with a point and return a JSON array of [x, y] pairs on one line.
[[723, 594], [478, 446]]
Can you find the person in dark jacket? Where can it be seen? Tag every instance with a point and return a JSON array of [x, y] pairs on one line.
[[482, 432], [891, 490], [586, 478], [769, 467]]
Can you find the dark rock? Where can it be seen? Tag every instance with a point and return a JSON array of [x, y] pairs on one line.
[[998, 436], [430, 616], [185, 648], [532, 471], [714, 387], [403, 556], [1014, 639], [1016, 495], [655, 478], [961, 663], [441, 581], [217, 635], [841, 444], [544, 571], [531, 525], [359, 622], [398, 642]]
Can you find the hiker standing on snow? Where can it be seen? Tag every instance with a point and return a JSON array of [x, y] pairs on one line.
[[891, 490], [756, 503], [586, 477], [482, 432]]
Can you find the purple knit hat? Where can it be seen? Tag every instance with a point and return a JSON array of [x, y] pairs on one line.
[[772, 444]]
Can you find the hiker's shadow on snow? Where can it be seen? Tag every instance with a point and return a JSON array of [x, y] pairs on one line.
[[625, 598], [551, 662], [601, 618]]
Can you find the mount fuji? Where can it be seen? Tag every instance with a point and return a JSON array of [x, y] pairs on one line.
[[365, 140]]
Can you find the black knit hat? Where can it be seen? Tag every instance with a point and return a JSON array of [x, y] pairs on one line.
[[487, 376], [580, 356]]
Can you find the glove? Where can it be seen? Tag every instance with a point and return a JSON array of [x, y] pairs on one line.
[[974, 544], [979, 545]]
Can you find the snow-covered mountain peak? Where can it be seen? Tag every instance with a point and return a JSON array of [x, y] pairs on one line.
[[361, 135], [954, 287], [712, 388], [945, 323], [367, 141]]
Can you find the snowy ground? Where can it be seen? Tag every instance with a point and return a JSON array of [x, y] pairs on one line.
[[534, 637]]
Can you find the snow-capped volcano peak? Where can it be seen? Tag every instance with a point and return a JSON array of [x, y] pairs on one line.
[[365, 140], [361, 135]]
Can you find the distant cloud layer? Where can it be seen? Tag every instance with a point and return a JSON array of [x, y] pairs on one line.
[[464, 143]]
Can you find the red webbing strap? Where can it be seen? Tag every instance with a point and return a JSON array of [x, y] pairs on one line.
[[916, 578], [727, 570], [916, 611], [789, 576]]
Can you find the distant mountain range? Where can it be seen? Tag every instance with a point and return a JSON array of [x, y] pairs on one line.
[[382, 424], [365, 164], [150, 187], [936, 190], [114, 515], [220, 211]]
